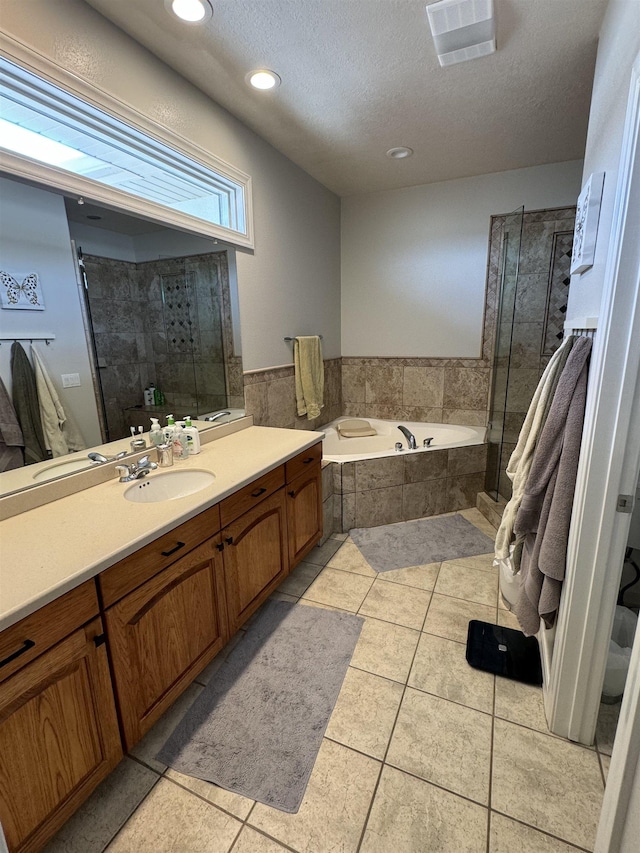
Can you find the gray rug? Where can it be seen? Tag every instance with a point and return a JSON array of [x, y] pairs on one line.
[[414, 543], [257, 727]]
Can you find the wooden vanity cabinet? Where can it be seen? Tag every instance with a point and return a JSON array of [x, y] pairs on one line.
[[304, 503], [164, 633], [59, 734], [256, 557]]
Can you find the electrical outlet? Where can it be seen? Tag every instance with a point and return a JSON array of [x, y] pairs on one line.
[[70, 380]]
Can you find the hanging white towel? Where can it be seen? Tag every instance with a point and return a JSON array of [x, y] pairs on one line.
[[61, 434]]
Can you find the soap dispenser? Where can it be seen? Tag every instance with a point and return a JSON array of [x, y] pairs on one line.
[[156, 436], [179, 442], [193, 437], [167, 432]]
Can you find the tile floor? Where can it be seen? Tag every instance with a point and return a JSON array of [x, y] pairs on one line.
[[421, 755]]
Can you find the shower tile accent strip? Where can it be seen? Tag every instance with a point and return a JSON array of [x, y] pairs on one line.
[[372, 492]]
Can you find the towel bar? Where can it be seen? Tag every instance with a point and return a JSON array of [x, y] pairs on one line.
[[293, 339]]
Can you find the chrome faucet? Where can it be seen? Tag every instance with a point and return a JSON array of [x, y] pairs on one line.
[[411, 439], [216, 416], [136, 470], [99, 459]]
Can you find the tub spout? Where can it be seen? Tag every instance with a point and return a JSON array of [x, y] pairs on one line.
[[411, 439]]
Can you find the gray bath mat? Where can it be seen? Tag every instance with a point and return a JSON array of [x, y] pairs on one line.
[[414, 543], [257, 727]]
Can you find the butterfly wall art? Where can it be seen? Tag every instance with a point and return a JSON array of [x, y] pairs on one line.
[[21, 292]]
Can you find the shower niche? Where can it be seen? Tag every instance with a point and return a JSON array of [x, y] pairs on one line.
[[529, 269]]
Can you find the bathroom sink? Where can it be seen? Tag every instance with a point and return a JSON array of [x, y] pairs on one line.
[[60, 468], [168, 486]]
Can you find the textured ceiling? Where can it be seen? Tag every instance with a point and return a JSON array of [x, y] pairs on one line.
[[361, 76]]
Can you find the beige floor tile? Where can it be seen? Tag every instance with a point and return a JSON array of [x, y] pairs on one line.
[[508, 836], [385, 649], [339, 589], [478, 520], [606, 727], [467, 583], [107, 809], [250, 841], [449, 617], [335, 805], [308, 603], [341, 537], [605, 762], [508, 619], [479, 561], [520, 703], [411, 816], [320, 555], [236, 804], [421, 577], [548, 783], [173, 820], [351, 559], [156, 737], [392, 602], [440, 667], [443, 743], [365, 712], [300, 579]]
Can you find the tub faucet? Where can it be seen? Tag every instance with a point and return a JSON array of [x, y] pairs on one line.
[[216, 416], [411, 439]]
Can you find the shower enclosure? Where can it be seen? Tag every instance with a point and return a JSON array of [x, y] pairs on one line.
[[533, 273], [165, 322]]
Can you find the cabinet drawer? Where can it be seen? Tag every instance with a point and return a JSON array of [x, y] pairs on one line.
[[236, 505], [138, 567], [303, 461], [36, 633]]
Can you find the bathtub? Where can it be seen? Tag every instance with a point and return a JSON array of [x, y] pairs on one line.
[[337, 449]]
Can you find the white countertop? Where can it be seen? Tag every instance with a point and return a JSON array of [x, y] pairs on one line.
[[51, 549]]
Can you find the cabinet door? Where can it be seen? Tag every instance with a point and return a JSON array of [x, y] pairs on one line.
[[58, 737], [255, 557], [162, 634], [304, 513]]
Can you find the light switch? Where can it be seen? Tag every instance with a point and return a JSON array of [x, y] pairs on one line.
[[70, 380]]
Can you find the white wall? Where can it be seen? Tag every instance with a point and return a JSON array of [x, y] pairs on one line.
[[619, 45], [291, 283], [34, 237], [414, 260]]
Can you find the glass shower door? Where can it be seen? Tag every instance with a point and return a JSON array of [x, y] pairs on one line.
[[497, 484]]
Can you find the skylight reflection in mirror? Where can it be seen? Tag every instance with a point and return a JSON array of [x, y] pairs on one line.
[[44, 123]]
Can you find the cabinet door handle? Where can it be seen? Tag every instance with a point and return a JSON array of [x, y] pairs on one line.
[[229, 540], [220, 547], [292, 494], [173, 550], [257, 493], [28, 644], [306, 461]]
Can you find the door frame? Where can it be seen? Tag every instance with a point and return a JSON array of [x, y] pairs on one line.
[[609, 466]]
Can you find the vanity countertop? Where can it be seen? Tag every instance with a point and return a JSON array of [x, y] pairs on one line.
[[51, 549]]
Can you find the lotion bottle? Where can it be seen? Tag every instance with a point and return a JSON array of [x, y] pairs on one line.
[[179, 442], [193, 437]]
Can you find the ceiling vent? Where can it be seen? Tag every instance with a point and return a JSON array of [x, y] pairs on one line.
[[462, 29]]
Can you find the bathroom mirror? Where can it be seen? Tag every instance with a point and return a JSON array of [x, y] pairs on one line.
[[157, 305]]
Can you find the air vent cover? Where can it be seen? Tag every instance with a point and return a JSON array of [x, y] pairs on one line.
[[462, 29]]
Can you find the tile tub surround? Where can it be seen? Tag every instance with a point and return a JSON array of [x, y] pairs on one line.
[[402, 487], [422, 753]]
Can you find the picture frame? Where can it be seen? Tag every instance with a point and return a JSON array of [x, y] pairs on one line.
[[586, 227], [22, 292]]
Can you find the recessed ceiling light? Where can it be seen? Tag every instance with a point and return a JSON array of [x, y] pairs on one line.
[[190, 11], [399, 153], [263, 79]]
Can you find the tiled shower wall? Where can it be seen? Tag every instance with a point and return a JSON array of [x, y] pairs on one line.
[[182, 343], [536, 301]]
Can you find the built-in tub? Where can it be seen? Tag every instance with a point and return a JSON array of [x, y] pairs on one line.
[[338, 449], [375, 484]]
